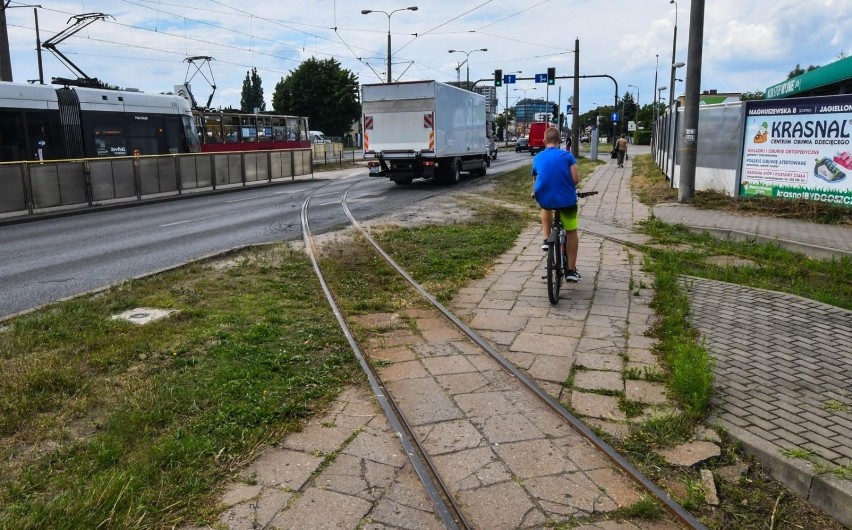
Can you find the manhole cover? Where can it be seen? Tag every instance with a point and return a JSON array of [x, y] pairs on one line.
[[143, 315]]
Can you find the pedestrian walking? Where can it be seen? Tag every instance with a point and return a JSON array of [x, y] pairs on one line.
[[621, 150]]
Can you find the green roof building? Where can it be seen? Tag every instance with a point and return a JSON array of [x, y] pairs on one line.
[[829, 80]]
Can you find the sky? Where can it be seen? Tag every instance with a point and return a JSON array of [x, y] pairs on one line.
[[748, 45]]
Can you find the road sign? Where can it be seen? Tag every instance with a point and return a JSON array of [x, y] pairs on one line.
[[509, 79], [631, 126], [614, 116], [541, 78], [568, 108]]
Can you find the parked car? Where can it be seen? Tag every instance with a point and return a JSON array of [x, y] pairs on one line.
[[522, 145], [584, 139], [318, 137]]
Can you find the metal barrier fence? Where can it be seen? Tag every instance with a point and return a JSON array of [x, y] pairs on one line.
[[38, 187], [334, 152], [720, 136]]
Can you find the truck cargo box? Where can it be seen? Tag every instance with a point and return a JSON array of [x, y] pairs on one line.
[[429, 118]]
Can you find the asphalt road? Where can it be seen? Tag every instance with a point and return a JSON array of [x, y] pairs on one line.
[[50, 259]]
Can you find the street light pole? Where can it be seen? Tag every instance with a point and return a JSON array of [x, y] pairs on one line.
[[636, 118], [368, 11], [526, 105], [506, 128], [674, 48], [467, 62]]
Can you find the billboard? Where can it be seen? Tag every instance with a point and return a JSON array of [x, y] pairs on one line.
[[799, 149]]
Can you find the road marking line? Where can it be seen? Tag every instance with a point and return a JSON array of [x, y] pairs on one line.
[[264, 196], [182, 222]]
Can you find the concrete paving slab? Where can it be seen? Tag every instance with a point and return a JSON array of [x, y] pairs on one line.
[[600, 361], [448, 365], [599, 380], [402, 370], [449, 436], [283, 468], [645, 391], [597, 406], [472, 468], [256, 513], [312, 510], [423, 401], [378, 446], [551, 368], [394, 355], [500, 506]]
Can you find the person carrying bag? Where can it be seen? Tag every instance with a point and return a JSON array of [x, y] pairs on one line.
[[619, 150]]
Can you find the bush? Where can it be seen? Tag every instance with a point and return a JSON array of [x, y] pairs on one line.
[[642, 137]]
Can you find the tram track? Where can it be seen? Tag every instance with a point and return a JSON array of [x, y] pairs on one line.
[[441, 495]]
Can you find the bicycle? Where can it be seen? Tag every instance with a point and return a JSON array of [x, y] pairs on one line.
[[557, 254]]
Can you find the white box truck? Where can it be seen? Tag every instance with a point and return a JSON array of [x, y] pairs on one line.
[[423, 129]]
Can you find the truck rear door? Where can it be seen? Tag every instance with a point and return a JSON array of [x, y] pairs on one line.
[[398, 131]]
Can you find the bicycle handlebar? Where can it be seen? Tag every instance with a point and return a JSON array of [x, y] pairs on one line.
[[582, 194]]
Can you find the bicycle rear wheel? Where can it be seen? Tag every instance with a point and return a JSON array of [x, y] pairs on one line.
[[554, 273]]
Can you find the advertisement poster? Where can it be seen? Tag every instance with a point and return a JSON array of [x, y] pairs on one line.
[[799, 149]]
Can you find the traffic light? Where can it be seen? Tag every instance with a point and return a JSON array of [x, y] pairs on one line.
[[556, 109], [551, 76], [498, 77]]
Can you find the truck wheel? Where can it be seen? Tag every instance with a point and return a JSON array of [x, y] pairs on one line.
[[481, 171], [402, 182], [454, 176]]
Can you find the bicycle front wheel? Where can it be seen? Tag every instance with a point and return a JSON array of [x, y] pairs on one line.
[[554, 273]]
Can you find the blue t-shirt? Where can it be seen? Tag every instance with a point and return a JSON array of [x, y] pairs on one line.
[[554, 188]]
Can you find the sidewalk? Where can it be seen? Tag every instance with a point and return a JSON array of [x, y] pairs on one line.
[[815, 240], [784, 363]]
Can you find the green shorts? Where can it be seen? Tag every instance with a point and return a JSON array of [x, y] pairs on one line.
[[570, 218]]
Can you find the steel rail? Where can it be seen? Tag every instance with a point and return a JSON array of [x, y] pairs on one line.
[[673, 507], [436, 490]]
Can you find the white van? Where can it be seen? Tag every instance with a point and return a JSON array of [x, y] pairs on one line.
[[318, 137]]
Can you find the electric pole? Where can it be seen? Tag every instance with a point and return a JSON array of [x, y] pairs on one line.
[[5, 57], [689, 143], [575, 119]]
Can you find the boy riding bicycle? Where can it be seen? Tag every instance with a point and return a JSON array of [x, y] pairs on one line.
[[555, 181]]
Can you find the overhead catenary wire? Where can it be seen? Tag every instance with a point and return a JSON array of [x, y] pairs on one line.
[[417, 35]]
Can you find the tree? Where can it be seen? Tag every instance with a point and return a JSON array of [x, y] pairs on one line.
[[748, 96], [324, 92], [798, 70], [252, 96], [502, 120]]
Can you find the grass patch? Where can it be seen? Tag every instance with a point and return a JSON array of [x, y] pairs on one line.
[[631, 408], [804, 210], [108, 424], [515, 186], [775, 268], [648, 182], [445, 258], [690, 366], [652, 187], [647, 508], [796, 452]]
